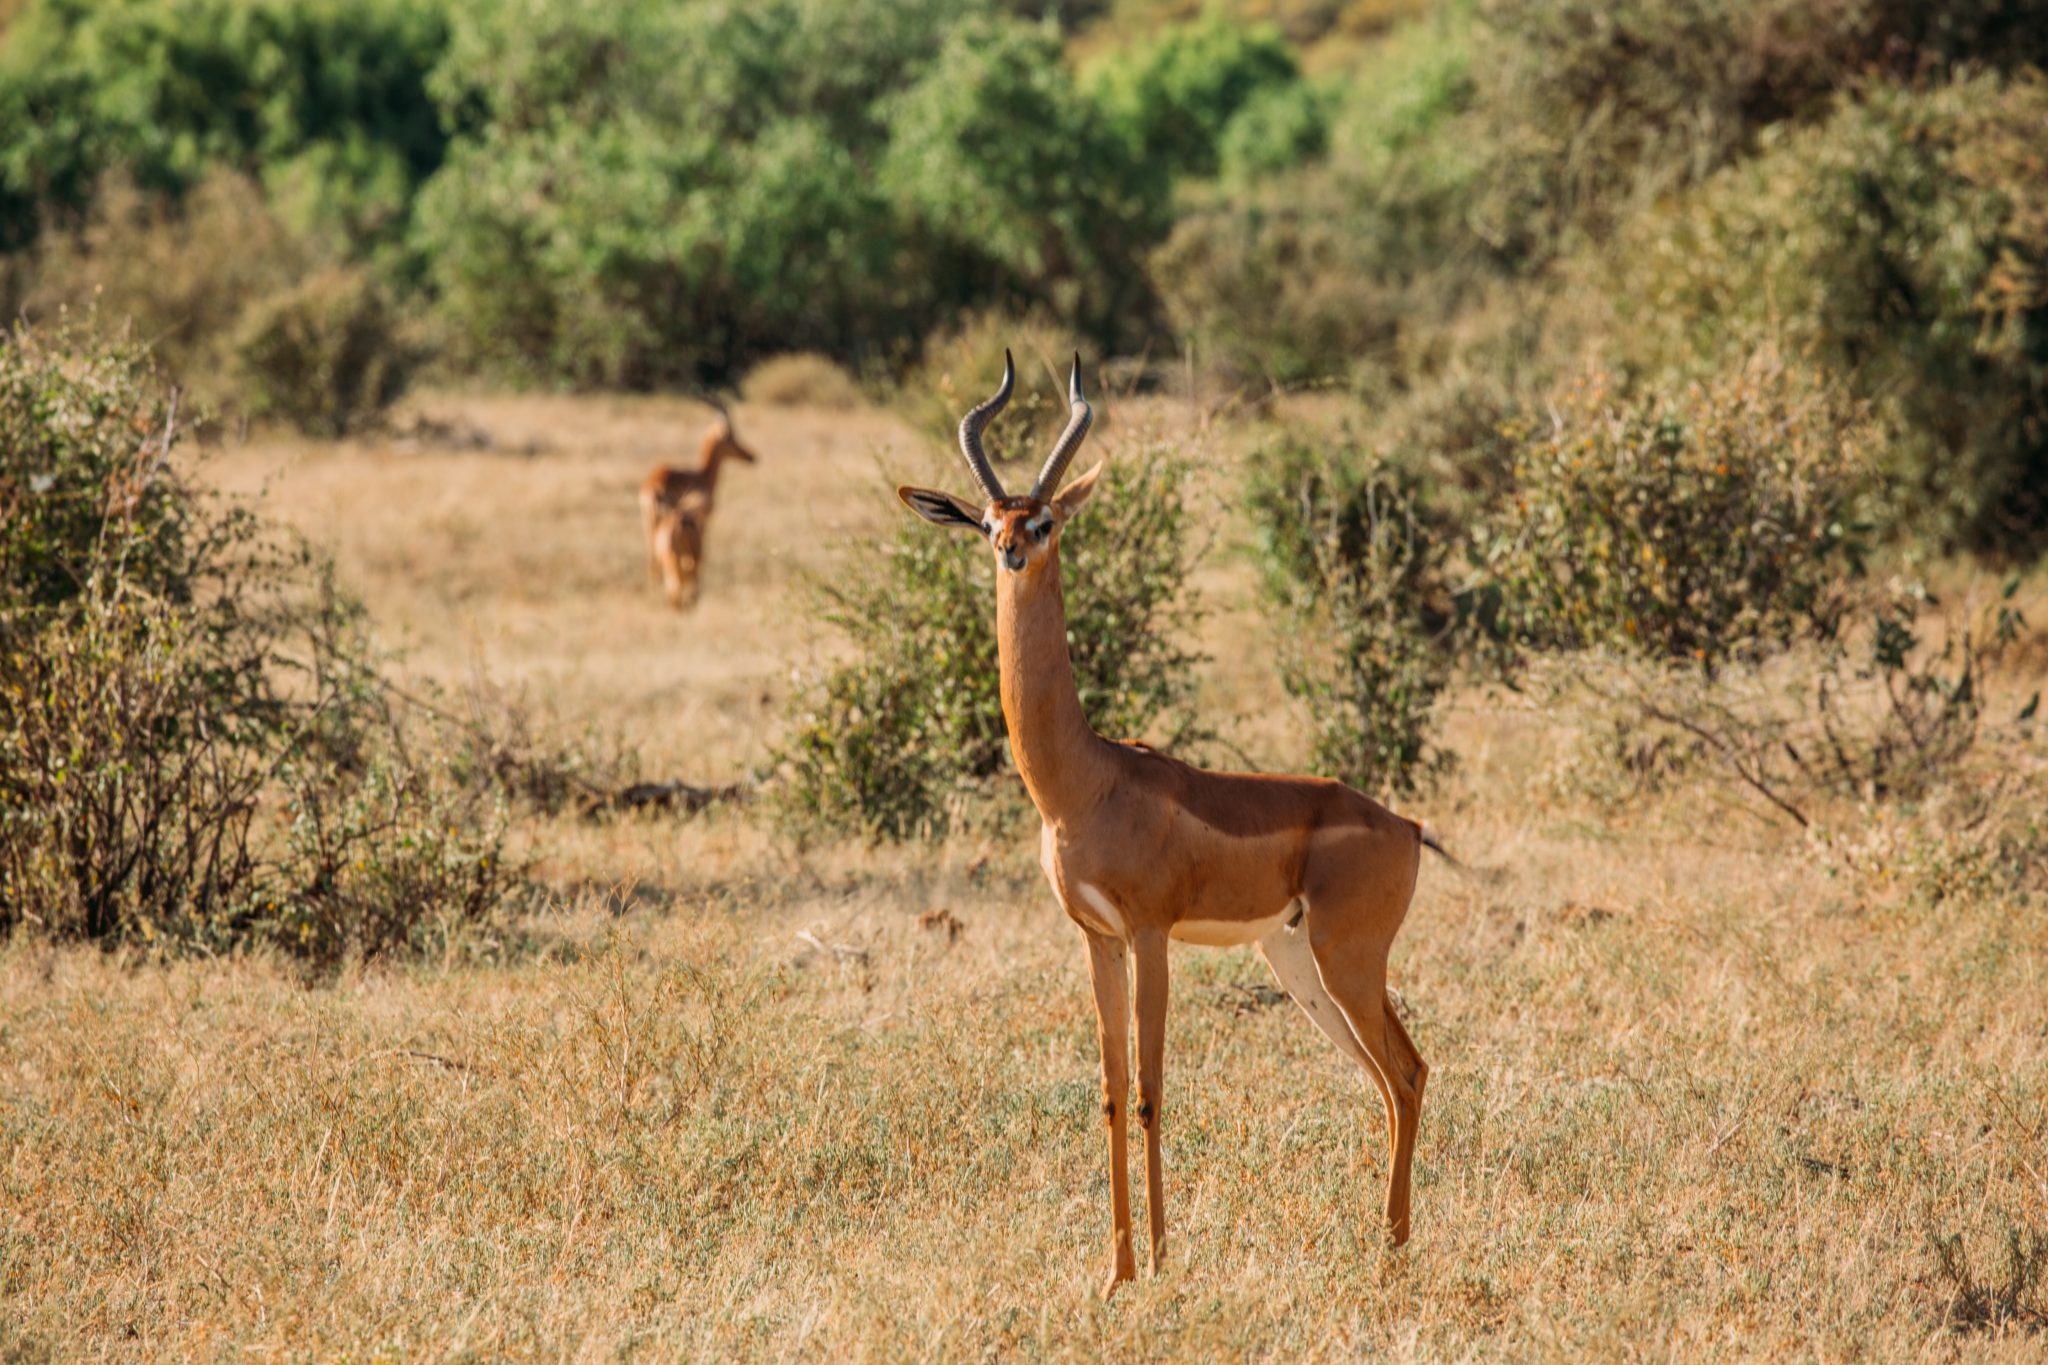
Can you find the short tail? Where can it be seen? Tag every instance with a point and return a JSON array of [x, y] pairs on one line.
[[1436, 846]]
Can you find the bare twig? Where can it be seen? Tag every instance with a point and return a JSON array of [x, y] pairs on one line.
[[845, 952], [1737, 761]]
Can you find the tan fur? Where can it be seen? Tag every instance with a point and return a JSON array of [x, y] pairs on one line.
[[679, 550], [1141, 848], [675, 512]]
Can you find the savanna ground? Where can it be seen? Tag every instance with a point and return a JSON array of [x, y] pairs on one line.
[[1700, 1082]]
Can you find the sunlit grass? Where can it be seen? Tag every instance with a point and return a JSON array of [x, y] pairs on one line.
[[1700, 1085]]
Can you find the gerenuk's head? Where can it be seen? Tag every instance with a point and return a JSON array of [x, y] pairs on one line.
[[1022, 531]]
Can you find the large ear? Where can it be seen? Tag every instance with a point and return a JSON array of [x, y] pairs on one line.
[[1074, 494], [942, 509]]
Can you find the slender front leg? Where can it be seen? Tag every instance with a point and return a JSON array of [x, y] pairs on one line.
[[1108, 969], [1151, 988], [650, 522]]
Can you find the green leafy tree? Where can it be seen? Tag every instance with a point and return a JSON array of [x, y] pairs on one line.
[[1172, 101], [677, 190], [1000, 163], [329, 97]]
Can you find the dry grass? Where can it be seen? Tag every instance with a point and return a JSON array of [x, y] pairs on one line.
[[524, 561], [1699, 1085]]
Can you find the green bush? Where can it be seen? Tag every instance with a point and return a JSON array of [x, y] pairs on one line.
[[1702, 523], [1016, 186], [1279, 127], [1904, 243], [906, 738], [1354, 559], [195, 749], [328, 356]]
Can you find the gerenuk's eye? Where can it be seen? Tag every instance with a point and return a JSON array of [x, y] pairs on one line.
[[1041, 530]]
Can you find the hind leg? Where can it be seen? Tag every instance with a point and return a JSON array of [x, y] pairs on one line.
[[1410, 1056], [1350, 956], [1288, 953], [1415, 1074], [1148, 963], [672, 581]]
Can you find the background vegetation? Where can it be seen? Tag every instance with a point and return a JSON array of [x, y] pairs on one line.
[[1685, 340], [197, 750], [1442, 206], [1617, 431]]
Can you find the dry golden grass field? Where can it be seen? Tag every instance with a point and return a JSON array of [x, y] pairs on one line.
[[1703, 1085]]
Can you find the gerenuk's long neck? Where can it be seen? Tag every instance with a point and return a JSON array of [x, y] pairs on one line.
[[1065, 764], [709, 456]]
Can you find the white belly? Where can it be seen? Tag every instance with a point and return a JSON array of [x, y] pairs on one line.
[[1226, 933]]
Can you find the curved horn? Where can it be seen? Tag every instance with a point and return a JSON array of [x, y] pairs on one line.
[[718, 407], [979, 417], [1070, 439]]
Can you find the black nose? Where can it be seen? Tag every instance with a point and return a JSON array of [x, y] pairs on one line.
[[1013, 557]]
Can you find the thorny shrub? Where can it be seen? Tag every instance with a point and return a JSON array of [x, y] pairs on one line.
[[907, 737], [196, 751], [1705, 523], [329, 355], [1874, 713], [235, 303], [1904, 243], [1981, 838], [1355, 562]]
